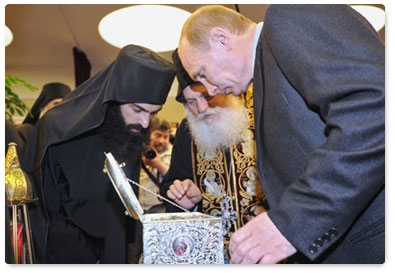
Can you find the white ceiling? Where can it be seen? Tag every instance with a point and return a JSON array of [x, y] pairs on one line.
[[45, 34]]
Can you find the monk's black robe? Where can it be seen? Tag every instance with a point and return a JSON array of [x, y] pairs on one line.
[[87, 223]]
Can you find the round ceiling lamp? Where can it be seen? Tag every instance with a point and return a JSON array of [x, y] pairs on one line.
[[8, 37], [375, 15], [157, 27]]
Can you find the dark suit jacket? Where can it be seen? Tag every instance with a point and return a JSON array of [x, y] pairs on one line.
[[319, 100]]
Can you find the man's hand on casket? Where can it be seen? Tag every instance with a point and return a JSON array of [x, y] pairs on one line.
[[259, 241], [185, 193]]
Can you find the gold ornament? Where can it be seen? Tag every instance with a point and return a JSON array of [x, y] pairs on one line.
[[17, 184]]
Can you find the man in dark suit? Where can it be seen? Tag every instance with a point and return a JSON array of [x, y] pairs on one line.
[[318, 73]]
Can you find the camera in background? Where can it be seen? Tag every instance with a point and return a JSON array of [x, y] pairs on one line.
[[149, 152]]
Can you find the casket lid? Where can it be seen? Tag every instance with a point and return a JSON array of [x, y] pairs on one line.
[[123, 187]]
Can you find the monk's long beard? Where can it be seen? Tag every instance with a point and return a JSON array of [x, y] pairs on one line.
[[118, 139], [221, 134]]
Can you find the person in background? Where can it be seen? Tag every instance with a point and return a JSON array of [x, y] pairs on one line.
[[82, 217], [214, 157], [51, 95], [155, 163], [318, 74]]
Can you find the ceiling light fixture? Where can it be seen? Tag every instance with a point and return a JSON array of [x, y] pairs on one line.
[[157, 27], [375, 15], [8, 37]]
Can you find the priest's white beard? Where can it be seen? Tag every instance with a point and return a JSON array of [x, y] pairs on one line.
[[226, 131]]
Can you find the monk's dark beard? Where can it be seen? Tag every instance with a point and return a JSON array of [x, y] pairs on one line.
[[118, 138]]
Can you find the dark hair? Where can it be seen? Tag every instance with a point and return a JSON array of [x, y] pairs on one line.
[[160, 124]]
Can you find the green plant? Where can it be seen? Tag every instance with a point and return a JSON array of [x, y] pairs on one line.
[[13, 104]]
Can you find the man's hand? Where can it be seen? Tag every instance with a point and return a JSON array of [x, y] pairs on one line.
[[185, 193], [156, 163], [259, 241]]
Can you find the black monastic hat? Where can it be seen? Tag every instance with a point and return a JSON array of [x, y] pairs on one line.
[[182, 77], [50, 91], [140, 75]]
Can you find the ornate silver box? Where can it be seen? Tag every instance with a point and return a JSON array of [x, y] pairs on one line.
[[170, 238]]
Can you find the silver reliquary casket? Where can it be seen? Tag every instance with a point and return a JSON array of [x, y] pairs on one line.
[[170, 238]]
